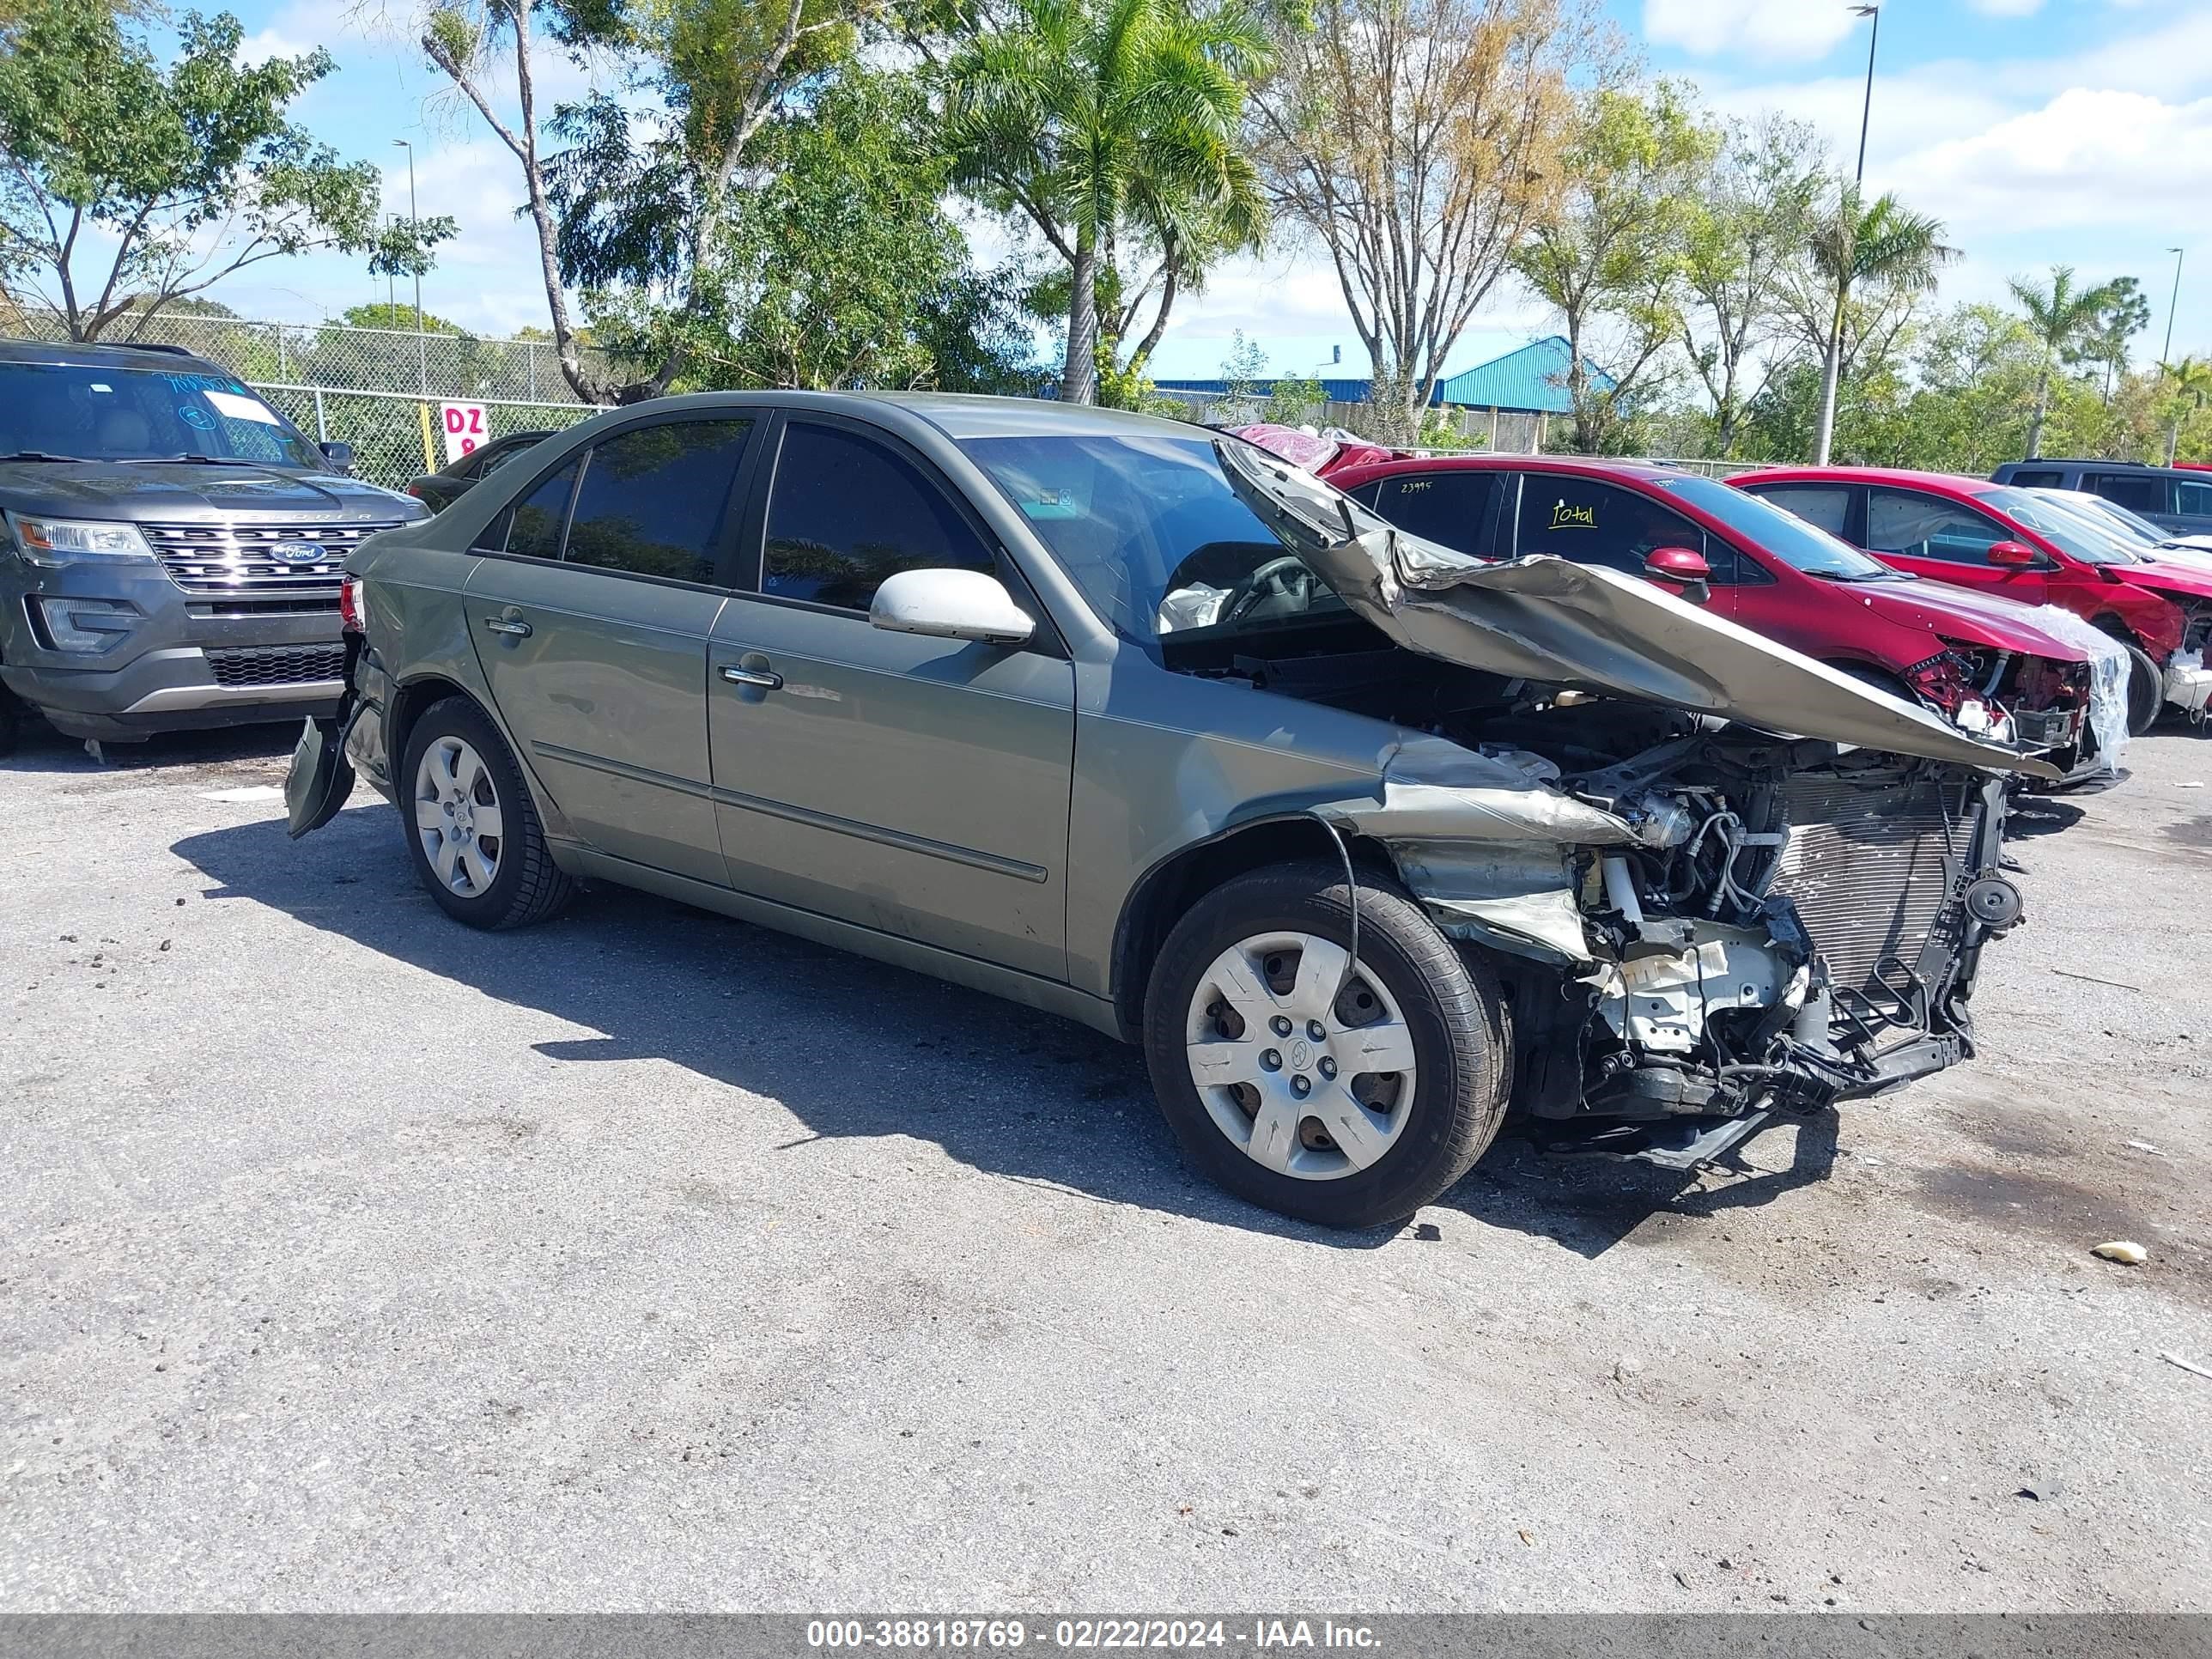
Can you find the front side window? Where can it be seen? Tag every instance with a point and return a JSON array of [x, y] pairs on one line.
[[1916, 526], [2193, 498], [2139, 492], [653, 499], [535, 522], [1598, 524], [1148, 527], [845, 512], [110, 414], [1452, 507]]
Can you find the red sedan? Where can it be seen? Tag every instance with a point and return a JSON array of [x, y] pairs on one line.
[[1984, 663], [1994, 539]]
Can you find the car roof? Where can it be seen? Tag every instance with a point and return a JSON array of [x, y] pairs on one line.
[[956, 415], [1588, 465], [2083, 460], [51, 353], [1954, 483]]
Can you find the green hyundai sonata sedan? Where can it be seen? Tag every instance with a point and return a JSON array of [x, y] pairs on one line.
[[1367, 843]]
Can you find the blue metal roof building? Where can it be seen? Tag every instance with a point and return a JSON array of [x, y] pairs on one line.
[[1532, 380]]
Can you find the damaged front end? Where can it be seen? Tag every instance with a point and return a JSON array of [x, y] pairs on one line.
[[1721, 879]]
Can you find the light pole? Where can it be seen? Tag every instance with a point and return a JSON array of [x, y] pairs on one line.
[[2166, 356], [1871, 9], [415, 224]]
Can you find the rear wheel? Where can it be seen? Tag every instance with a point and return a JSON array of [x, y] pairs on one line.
[[471, 827], [1346, 1092], [12, 715]]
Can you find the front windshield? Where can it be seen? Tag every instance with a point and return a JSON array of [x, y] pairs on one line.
[[2107, 515], [1788, 538], [2073, 534], [110, 414], [1151, 530]]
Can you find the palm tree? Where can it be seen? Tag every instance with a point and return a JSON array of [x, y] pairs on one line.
[[1107, 119], [1881, 243], [2061, 317], [2190, 383]]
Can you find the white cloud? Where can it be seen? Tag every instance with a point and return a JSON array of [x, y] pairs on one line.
[[2086, 158], [1765, 28]]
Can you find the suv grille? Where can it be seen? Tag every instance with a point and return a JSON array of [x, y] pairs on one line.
[[278, 665], [223, 558]]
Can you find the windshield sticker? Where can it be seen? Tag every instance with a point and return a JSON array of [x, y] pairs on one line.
[[195, 417], [1053, 504], [182, 382], [241, 409], [97, 387], [1565, 517]]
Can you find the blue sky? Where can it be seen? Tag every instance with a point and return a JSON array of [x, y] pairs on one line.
[[2042, 131]]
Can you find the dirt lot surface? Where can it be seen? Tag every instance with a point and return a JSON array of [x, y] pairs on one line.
[[349, 1259]]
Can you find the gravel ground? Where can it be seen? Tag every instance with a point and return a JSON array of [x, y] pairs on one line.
[[350, 1260]]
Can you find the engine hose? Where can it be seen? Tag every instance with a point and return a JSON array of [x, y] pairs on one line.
[[1351, 891]]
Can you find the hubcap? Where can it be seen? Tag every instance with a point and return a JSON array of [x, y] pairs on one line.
[[456, 815], [1306, 1068]]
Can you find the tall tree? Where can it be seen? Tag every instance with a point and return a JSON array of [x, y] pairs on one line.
[[1608, 257], [631, 203], [2062, 316], [1109, 123], [1417, 141], [1745, 228], [1859, 245], [2188, 386], [2126, 315], [125, 183]]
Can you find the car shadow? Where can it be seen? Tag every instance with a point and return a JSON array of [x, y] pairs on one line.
[[1001, 1088], [41, 749], [2030, 815]]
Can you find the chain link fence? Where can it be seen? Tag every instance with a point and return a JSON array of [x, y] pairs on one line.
[[377, 389]]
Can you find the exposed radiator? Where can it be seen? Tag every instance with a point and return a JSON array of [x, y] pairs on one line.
[[1871, 871]]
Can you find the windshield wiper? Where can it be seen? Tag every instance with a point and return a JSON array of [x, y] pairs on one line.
[[40, 455], [196, 460]]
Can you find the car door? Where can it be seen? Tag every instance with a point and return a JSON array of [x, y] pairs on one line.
[[591, 621], [917, 786], [1574, 516], [1933, 536]]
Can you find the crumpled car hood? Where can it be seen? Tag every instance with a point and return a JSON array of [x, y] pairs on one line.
[[1548, 620]]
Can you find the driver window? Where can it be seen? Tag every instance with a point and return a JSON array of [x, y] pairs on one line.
[[844, 513], [1598, 524], [1917, 526]]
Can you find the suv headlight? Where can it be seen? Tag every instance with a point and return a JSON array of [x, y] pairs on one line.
[[75, 541]]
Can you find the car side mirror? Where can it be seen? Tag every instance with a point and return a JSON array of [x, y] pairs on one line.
[[339, 455], [2017, 555], [1682, 570], [950, 604]]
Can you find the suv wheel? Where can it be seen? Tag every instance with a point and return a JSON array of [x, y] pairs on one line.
[[12, 714], [472, 826], [1348, 1093]]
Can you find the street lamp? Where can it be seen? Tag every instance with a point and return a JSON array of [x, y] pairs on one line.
[[2166, 357], [1869, 9], [415, 224]]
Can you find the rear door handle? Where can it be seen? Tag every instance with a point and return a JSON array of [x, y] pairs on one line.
[[510, 625], [766, 679]]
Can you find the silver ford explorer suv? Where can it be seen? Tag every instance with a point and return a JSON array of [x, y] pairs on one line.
[[174, 545], [1366, 840]]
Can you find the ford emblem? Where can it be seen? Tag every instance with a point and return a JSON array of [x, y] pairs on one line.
[[298, 552]]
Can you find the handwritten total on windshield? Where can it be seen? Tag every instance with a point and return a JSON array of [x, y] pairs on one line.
[[1565, 517]]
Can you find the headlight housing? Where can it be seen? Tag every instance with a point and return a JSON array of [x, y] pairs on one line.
[[77, 541]]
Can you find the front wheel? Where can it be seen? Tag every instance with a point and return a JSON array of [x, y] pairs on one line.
[[471, 827], [2146, 691], [1345, 1092]]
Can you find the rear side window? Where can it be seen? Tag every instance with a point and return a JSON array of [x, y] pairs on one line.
[[845, 512], [1598, 524], [2138, 491], [534, 523], [2192, 498], [1452, 507], [653, 499], [1929, 527], [1825, 506]]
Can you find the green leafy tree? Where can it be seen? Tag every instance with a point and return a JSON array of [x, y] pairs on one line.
[[1296, 399], [2104, 347], [2061, 317], [1741, 231], [1859, 245], [124, 185], [1108, 124], [2188, 384], [1608, 256]]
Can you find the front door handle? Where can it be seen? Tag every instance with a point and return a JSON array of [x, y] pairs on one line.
[[766, 679], [510, 625]]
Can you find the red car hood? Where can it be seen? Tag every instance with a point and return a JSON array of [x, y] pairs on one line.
[[2173, 580], [1961, 614]]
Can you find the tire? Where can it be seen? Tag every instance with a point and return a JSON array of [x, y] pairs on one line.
[[12, 712], [511, 881], [2146, 691], [1448, 1015]]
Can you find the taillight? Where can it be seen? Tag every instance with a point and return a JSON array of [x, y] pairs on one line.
[[352, 614], [415, 491]]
